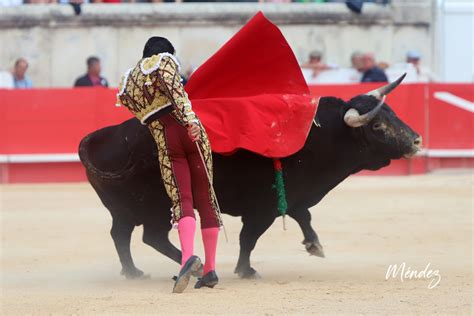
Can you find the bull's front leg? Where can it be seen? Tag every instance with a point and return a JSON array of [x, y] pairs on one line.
[[252, 229], [311, 241], [157, 237], [121, 233]]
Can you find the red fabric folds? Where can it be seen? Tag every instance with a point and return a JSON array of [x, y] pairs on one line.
[[251, 94]]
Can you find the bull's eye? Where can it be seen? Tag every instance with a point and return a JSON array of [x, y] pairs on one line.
[[377, 126]]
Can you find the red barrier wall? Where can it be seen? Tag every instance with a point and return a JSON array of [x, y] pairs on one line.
[[53, 121], [450, 124]]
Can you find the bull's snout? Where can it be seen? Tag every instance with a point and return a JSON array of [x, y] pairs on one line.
[[418, 142], [415, 147]]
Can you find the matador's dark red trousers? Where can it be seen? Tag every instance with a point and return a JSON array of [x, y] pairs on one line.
[[188, 171]]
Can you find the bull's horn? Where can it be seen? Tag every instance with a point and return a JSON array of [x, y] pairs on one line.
[[354, 119], [380, 92]]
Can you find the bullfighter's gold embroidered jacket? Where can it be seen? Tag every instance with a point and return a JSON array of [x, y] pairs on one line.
[[154, 85]]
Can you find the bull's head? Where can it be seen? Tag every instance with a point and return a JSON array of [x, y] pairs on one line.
[[379, 127]]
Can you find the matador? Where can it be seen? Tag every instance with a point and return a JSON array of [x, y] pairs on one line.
[[153, 92]]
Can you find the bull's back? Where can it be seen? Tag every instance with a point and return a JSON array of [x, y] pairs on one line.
[[122, 166]]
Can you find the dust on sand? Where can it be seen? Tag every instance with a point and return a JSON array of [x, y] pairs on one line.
[[57, 255]]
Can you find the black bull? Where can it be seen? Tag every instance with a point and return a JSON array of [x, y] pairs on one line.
[[122, 166]]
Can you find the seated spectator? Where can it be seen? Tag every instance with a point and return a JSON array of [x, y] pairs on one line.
[[413, 69], [372, 73], [315, 63], [337, 74], [357, 64], [357, 61], [20, 80], [315, 66], [423, 74], [92, 78]]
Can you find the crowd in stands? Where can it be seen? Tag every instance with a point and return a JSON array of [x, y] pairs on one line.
[[17, 78], [355, 5], [364, 68]]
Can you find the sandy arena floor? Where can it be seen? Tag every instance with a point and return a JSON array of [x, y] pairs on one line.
[[57, 255]]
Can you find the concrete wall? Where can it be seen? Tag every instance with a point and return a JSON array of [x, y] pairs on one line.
[[56, 42], [454, 49]]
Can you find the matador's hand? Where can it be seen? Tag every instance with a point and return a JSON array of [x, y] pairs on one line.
[[194, 132]]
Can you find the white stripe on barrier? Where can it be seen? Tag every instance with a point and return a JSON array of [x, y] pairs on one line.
[[46, 158], [450, 153], [455, 100], [37, 158]]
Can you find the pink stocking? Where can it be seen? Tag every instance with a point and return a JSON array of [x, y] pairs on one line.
[[209, 238], [186, 231]]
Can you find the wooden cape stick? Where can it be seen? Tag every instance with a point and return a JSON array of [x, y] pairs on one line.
[[212, 190]]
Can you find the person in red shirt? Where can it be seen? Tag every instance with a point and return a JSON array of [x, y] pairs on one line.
[[92, 78]]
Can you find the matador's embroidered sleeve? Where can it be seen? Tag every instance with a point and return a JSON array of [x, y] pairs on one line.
[[118, 103], [183, 111]]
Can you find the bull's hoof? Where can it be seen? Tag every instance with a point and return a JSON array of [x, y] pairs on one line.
[[131, 274], [314, 248], [247, 273]]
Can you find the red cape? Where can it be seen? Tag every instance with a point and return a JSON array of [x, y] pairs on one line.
[[251, 94]]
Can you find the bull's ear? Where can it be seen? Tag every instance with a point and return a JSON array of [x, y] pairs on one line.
[[385, 90], [353, 119]]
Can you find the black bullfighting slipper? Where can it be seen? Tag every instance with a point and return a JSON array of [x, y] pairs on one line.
[[182, 281], [209, 280], [196, 274]]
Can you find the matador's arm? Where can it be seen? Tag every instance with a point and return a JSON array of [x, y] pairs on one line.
[[169, 73]]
